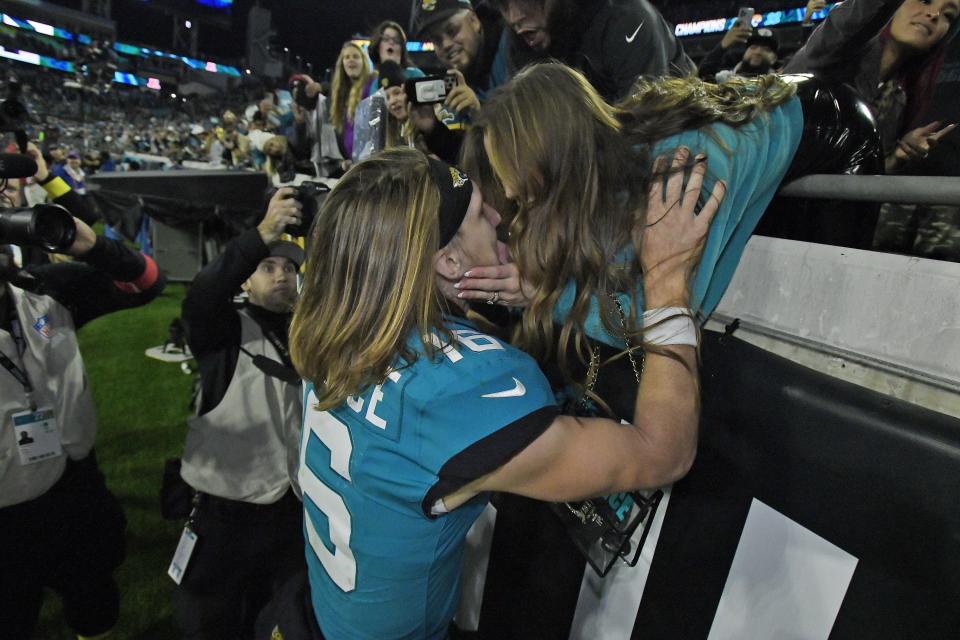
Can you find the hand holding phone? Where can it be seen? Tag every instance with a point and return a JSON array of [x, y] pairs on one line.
[[429, 89], [744, 17]]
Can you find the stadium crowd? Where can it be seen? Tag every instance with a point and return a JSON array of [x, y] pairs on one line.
[[581, 185]]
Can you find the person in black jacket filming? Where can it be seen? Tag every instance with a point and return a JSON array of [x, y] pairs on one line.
[[60, 526]]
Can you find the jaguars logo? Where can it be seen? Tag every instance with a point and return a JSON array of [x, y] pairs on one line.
[[459, 179], [428, 5]]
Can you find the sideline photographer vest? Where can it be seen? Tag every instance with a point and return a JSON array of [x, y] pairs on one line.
[[246, 447], [52, 362]]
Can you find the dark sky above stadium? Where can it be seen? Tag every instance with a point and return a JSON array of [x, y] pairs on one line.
[[318, 27], [314, 29]]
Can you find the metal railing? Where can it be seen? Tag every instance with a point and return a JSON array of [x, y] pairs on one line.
[[897, 189]]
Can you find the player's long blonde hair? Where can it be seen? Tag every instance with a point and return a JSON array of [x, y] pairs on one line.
[[369, 279]]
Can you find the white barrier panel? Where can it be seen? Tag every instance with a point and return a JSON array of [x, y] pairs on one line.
[[888, 312], [785, 581]]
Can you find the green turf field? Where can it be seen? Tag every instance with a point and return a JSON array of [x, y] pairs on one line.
[[141, 409]]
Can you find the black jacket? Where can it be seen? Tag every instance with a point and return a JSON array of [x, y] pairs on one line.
[[97, 283], [613, 42], [211, 319]]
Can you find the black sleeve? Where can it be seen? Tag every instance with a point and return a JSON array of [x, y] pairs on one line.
[[488, 454], [842, 35], [444, 143], [77, 206], [99, 282], [73, 202], [637, 42], [299, 141], [208, 313], [717, 59]]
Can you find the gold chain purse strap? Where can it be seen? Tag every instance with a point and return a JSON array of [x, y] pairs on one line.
[[593, 369], [602, 528]]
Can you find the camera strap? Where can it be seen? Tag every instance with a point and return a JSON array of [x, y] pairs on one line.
[[281, 370], [16, 371]]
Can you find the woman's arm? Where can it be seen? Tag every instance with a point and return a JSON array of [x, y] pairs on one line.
[[839, 40], [576, 458]]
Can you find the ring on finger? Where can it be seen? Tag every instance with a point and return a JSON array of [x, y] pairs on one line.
[[494, 298]]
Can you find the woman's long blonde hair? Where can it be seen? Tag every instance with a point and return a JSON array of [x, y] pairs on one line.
[[345, 94], [579, 171], [369, 280]]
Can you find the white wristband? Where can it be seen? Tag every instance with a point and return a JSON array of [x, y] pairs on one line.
[[669, 325]]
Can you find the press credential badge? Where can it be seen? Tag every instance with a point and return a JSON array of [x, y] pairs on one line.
[[181, 557], [36, 435]]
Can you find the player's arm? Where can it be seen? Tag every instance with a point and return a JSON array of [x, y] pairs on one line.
[[582, 457], [577, 458]]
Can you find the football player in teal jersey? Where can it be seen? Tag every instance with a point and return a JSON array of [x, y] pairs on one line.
[[412, 414]]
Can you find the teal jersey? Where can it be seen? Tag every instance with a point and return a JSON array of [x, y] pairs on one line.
[[752, 160], [381, 566]]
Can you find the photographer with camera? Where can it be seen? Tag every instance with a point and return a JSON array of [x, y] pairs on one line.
[[60, 526], [46, 186], [246, 516]]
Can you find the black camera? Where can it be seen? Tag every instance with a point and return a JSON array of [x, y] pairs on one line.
[[429, 89], [48, 226], [14, 114], [298, 89], [310, 195]]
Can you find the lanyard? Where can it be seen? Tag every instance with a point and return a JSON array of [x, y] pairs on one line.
[[278, 345], [10, 365]]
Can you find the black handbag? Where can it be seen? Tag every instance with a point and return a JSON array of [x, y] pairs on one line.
[[602, 527]]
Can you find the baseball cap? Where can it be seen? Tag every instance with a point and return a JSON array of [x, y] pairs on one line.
[[390, 74], [286, 249], [454, 198], [74, 154], [764, 37], [430, 12]]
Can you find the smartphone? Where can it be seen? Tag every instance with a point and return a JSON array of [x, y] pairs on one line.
[[429, 89], [745, 17]]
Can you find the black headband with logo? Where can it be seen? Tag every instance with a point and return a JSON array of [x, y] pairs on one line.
[[455, 193]]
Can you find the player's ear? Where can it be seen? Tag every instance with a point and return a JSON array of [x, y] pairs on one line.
[[448, 262]]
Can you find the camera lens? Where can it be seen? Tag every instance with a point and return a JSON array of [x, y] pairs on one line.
[[48, 226]]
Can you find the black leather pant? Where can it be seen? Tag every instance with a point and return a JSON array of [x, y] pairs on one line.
[[839, 136]]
